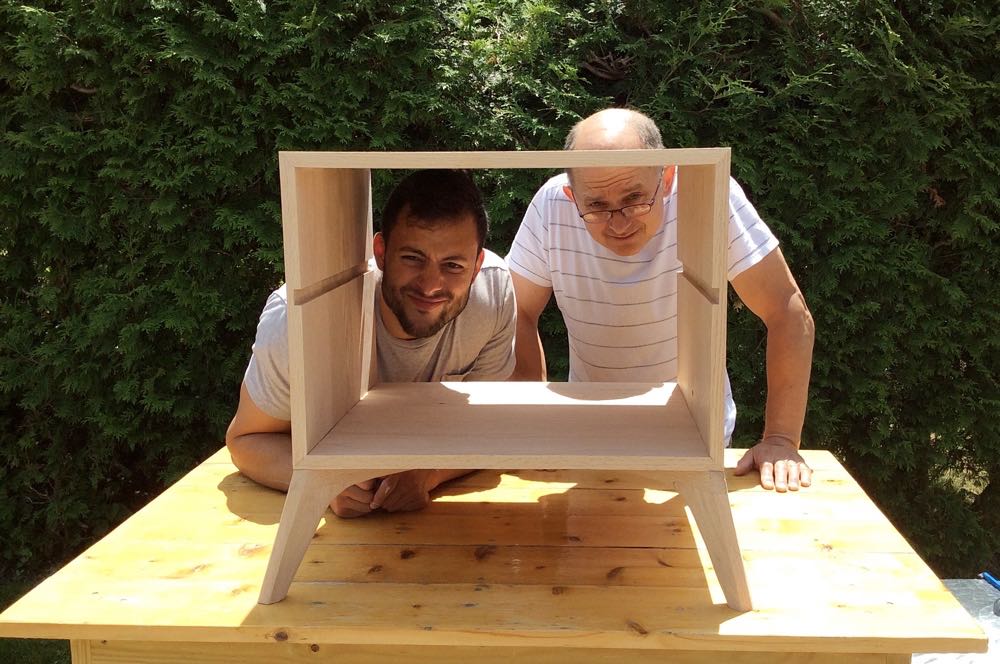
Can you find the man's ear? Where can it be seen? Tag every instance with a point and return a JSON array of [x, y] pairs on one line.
[[479, 264], [378, 248], [668, 179], [569, 192]]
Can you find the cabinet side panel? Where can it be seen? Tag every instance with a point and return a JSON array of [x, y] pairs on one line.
[[702, 223], [327, 363], [327, 227], [702, 236], [326, 218], [701, 344]]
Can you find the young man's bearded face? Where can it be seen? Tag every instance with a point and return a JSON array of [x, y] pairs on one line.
[[427, 270]]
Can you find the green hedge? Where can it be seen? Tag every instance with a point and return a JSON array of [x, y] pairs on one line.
[[140, 225]]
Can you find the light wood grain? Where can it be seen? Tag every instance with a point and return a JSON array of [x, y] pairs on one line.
[[638, 567], [708, 500], [523, 159], [80, 652], [123, 652], [702, 223], [326, 222], [326, 341], [521, 615], [309, 496], [826, 575], [337, 426], [468, 425], [327, 227], [701, 345]]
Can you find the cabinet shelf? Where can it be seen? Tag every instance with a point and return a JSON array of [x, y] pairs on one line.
[[620, 426]]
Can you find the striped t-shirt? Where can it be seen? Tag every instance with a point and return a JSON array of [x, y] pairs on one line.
[[621, 311]]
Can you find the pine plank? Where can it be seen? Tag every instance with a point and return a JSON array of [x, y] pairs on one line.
[[123, 652], [531, 558], [484, 614], [511, 565]]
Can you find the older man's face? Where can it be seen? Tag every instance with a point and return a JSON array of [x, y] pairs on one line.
[[595, 189]]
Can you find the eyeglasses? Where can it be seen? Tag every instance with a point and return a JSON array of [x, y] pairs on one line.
[[629, 211]]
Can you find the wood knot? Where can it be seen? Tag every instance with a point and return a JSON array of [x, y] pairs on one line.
[[637, 628], [281, 636], [485, 551], [406, 554], [248, 550]]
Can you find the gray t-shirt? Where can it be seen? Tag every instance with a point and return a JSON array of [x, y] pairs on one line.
[[477, 345]]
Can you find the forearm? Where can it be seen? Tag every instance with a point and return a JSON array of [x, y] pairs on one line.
[[266, 458], [528, 352], [439, 477], [789, 362]]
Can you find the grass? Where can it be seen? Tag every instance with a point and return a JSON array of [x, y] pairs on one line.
[[28, 651]]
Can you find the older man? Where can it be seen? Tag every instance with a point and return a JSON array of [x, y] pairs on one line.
[[444, 310], [604, 240]]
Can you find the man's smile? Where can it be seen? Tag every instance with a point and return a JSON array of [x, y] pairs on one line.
[[426, 303]]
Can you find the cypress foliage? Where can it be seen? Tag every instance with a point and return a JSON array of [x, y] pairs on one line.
[[140, 224]]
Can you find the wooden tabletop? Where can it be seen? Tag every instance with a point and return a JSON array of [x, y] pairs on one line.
[[528, 558]]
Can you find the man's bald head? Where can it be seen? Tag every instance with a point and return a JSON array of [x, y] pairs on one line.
[[615, 189], [614, 129]]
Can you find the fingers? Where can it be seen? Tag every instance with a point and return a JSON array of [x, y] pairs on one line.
[[767, 475], [745, 464], [777, 471], [790, 475], [385, 488], [782, 472], [353, 501], [805, 475], [406, 500]]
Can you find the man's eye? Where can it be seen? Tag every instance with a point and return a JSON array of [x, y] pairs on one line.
[[411, 259], [454, 267]]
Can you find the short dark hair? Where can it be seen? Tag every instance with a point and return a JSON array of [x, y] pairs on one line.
[[434, 196]]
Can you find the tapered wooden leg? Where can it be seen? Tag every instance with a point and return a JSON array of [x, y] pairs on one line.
[[309, 494], [708, 497]]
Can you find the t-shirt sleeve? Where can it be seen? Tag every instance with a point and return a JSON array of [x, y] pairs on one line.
[[750, 240], [529, 253], [496, 359], [266, 377]]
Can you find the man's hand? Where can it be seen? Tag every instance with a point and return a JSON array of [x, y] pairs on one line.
[[405, 492], [781, 466], [355, 500]]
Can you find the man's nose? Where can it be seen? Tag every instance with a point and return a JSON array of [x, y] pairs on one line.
[[619, 222], [430, 279]]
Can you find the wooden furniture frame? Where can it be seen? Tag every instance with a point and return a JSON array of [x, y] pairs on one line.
[[346, 428]]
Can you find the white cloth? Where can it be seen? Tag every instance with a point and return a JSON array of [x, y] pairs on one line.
[[621, 311]]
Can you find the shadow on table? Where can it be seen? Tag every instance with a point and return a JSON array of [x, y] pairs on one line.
[[498, 537]]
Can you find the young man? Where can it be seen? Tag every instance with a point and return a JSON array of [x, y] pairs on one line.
[[604, 240], [444, 310]]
